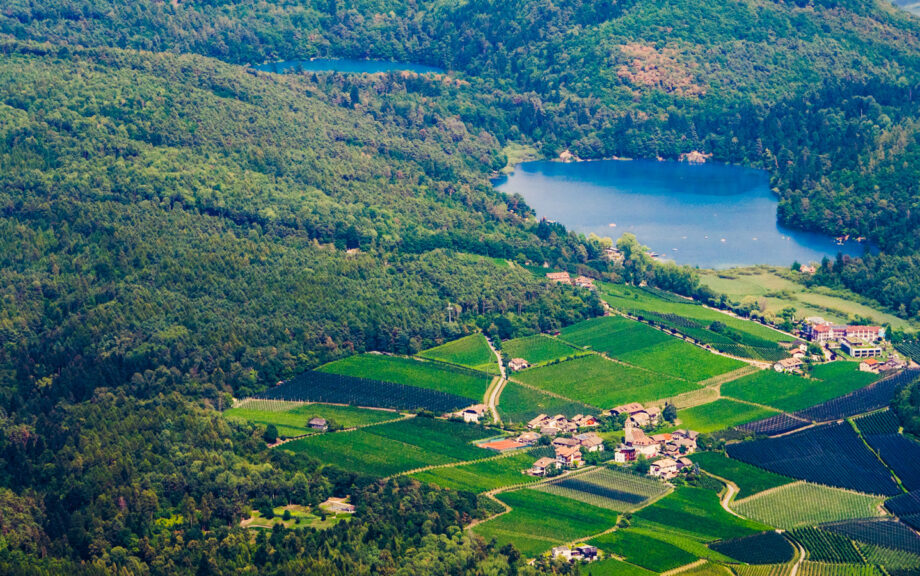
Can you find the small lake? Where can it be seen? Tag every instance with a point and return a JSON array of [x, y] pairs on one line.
[[709, 215], [346, 66]]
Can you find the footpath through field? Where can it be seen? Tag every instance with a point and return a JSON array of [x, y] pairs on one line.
[[494, 392]]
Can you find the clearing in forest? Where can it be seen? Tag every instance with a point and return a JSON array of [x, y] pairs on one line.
[[290, 418]]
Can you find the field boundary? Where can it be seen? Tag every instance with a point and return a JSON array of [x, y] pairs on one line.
[[685, 567]]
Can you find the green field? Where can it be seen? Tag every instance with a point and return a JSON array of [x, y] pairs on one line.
[[393, 448], [412, 372], [721, 414], [644, 346], [601, 382], [789, 392], [822, 569], [538, 521], [890, 558], [698, 511], [291, 417], [301, 517], [470, 351], [608, 488], [749, 479], [519, 403], [482, 476], [707, 569], [538, 349], [802, 504], [643, 550], [614, 567]]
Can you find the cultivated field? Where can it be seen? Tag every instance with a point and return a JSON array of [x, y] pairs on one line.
[[482, 476], [614, 567], [698, 511], [822, 569], [290, 418], [764, 548], [538, 521], [538, 349], [520, 404], [393, 448], [643, 550], [790, 392], [721, 414], [601, 382], [883, 422], [418, 373], [750, 479], [470, 351], [872, 397], [804, 504], [902, 455], [825, 546], [608, 488]]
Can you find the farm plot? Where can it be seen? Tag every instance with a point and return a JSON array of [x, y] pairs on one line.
[[698, 511], [904, 504], [833, 455], [825, 546], [520, 404], [764, 548], [431, 375], [803, 504], [290, 418], [322, 387], [393, 448], [470, 351], [884, 532], [763, 570], [614, 567], [643, 550], [789, 392], [601, 382], [538, 349], [901, 454], [613, 335], [910, 348], [721, 414], [883, 422], [779, 424], [749, 479], [821, 569], [897, 561], [539, 521], [482, 476], [607, 488], [875, 396]]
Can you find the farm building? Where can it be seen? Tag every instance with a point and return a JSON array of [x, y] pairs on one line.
[[540, 467], [585, 282], [518, 364], [583, 552], [474, 413], [565, 442], [788, 365], [568, 457], [559, 277], [665, 469], [869, 365], [318, 424]]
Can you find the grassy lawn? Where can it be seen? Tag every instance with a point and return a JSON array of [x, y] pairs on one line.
[[750, 479], [721, 414], [520, 404], [301, 517], [413, 373], [789, 392], [698, 511], [538, 521], [644, 346], [803, 504], [643, 550], [393, 448], [482, 476], [601, 382], [291, 417], [538, 349], [470, 351]]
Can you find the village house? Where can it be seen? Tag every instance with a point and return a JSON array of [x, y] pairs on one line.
[[788, 365], [538, 421], [540, 467], [665, 469], [568, 457], [318, 424], [635, 438], [582, 552], [585, 282], [591, 442], [584, 421], [567, 442], [550, 426], [559, 277], [639, 415], [807, 269], [549, 431], [474, 413], [614, 255], [624, 454], [518, 364], [870, 365], [528, 438], [684, 462]]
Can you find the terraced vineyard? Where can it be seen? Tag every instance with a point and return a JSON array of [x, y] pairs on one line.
[[821, 569], [607, 488], [802, 504], [470, 351], [883, 532]]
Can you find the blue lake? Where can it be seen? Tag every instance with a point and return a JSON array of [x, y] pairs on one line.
[[710, 215], [346, 66]]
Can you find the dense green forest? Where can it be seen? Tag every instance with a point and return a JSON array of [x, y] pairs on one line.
[[176, 228]]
